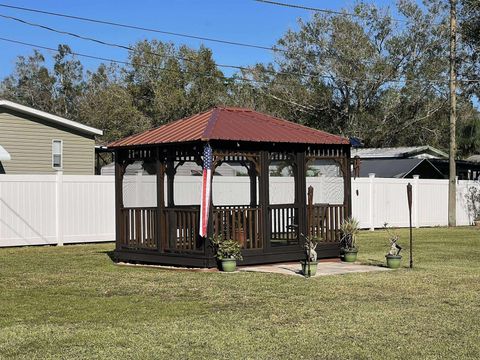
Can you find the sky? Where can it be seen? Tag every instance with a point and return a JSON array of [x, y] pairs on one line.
[[235, 20]]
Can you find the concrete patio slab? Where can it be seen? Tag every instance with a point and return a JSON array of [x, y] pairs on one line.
[[324, 268]]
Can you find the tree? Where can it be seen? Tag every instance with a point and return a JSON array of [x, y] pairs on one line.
[[365, 76], [469, 31], [108, 105], [68, 72], [31, 83], [169, 83]]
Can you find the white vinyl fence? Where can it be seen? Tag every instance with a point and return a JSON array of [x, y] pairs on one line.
[[56, 209], [61, 209], [376, 201]]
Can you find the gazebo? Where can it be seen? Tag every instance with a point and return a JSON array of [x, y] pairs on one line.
[[264, 146]]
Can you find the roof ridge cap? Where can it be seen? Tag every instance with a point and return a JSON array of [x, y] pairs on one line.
[[212, 121]]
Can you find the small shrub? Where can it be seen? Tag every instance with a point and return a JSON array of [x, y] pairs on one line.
[[226, 248]]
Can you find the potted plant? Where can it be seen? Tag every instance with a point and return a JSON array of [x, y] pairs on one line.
[[310, 264], [393, 257], [348, 243], [227, 251]]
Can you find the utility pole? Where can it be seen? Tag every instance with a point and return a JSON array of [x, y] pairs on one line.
[[452, 188]]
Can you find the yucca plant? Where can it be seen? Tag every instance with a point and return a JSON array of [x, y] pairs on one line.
[[349, 229]]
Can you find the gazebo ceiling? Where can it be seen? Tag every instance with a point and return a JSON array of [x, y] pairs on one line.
[[231, 124]]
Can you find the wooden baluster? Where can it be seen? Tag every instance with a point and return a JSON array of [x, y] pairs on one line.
[[143, 213], [250, 238], [189, 230], [148, 215], [184, 230], [327, 221], [137, 227], [246, 226], [150, 228], [131, 227], [154, 229], [276, 216], [332, 224], [227, 225]]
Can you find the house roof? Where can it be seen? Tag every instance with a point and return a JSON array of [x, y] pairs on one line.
[[50, 117], [231, 124], [4, 155], [394, 168], [425, 151]]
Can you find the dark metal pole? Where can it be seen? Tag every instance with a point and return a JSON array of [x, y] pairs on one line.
[[409, 197]]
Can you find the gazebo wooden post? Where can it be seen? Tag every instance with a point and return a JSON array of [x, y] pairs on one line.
[[160, 220], [252, 173], [347, 182], [119, 219], [264, 198], [170, 171], [301, 192]]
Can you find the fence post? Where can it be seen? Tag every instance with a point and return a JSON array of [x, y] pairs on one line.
[[416, 200], [371, 198], [58, 207]]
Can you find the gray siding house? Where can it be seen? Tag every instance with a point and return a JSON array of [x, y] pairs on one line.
[[36, 142]]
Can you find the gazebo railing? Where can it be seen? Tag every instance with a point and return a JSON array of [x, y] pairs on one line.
[[178, 229], [326, 221], [241, 223], [139, 228], [283, 224], [179, 226], [180, 233]]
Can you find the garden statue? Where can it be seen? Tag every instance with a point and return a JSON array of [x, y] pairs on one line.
[[310, 247]]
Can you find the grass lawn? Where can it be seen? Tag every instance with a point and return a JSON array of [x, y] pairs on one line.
[[72, 302]]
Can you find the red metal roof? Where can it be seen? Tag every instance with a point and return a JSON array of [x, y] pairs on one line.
[[234, 124]]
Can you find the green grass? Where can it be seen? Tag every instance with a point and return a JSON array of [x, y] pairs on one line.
[[72, 302]]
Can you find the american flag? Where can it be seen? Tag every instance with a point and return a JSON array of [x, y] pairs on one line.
[[206, 189]]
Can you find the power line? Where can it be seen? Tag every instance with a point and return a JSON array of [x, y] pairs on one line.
[[222, 77], [135, 27], [129, 48], [325, 11], [225, 78], [236, 67], [234, 78]]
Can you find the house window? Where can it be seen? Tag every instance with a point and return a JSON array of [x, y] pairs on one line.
[[57, 154]]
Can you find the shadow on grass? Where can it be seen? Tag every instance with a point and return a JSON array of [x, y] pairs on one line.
[[109, 253], [373, 262]]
